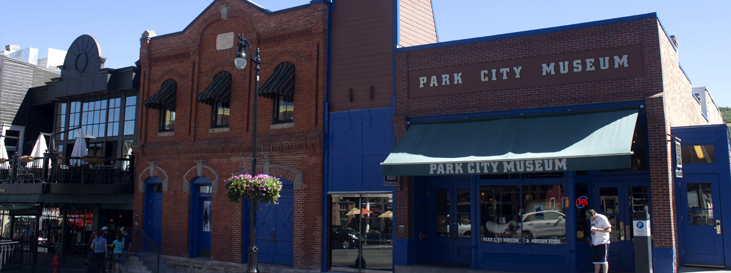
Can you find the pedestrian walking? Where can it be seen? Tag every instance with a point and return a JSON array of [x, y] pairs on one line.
[[600, 230], [99, 245], [117, 252], [127, 245], [110, 248]]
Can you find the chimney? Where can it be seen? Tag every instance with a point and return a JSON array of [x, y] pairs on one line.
[[675, 40]]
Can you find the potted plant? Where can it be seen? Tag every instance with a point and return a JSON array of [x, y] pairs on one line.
[[93, 159], [259, 189]]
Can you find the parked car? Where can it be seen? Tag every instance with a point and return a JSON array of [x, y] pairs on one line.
[[344, 237], [549, 224]]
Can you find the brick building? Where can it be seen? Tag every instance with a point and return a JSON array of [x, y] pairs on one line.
[[498, 145], [196, 130]]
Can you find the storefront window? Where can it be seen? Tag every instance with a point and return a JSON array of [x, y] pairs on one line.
[[361, 232], [544, 220], [500, 214], [5, 224], [583, 224], [530, 214]]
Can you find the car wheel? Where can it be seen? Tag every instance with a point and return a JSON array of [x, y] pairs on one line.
[[346, 244], [527, 236]]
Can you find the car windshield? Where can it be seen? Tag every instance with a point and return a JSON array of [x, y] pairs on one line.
[[349, 230]]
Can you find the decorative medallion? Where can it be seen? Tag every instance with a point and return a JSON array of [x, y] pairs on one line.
[[80, 61]]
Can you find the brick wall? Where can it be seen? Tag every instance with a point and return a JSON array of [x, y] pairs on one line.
[[662, 85], [191, 58]]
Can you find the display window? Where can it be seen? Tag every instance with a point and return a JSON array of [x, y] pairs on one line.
[[528, 214]]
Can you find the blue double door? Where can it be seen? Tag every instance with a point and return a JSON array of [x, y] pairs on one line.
[[618, 200], [274, 228], [449, 227]]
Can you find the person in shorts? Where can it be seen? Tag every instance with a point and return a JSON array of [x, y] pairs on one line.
[[600, 230]]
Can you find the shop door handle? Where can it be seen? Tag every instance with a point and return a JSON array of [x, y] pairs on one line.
[[621, 231], [718, 227], [271, 237]]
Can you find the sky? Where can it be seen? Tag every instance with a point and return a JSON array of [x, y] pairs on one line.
[[701, 27]]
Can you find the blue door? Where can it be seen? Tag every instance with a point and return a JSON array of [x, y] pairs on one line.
[[617, 201], [205, 215], [449, 226], [153, 213], [700, 222], [201, 218], [274, 232]]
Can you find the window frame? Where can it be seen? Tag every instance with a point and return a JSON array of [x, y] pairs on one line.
[[276, 117], [214, 115], [164, 117]]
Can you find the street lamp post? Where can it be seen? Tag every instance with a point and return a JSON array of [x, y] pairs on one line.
[[240, 63]]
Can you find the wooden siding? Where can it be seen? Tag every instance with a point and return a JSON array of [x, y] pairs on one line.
[[416, 23], [362, 55]]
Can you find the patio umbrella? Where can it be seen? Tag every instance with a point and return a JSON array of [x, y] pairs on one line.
[[38, 149], [3, 153], [125, 163], [79, 148], [388, 214], [355, 211]]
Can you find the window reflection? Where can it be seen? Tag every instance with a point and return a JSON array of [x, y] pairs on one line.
[[361, 232], [698, 154], [700, 204], [531, 214]]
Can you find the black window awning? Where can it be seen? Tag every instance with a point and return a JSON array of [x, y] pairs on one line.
[[165, 97], [281, 83], [218, 91]]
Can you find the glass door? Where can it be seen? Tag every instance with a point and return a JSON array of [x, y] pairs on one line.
[[361, 232], [449, 210], [700, 222], [618, 201]]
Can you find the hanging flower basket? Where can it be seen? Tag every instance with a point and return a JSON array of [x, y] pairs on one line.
[[260, 189], [91, 159], [26, 158]]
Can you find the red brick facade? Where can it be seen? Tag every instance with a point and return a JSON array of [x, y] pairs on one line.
[[192, 57], [662, 85]]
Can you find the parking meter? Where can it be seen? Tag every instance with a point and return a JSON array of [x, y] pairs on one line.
[[642, 241]]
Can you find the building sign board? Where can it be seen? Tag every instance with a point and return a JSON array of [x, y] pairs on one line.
[[614, 63]]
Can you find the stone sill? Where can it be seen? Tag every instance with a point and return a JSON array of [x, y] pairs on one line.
[[219, 130], [278, 126], [164, 134]]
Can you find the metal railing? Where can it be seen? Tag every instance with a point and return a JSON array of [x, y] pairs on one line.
[[108, 171], [17, 254], [146, 249]]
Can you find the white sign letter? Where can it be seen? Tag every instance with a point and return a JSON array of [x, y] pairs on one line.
[[577, 65], [548, 68], [618, 61], [483, 75], [433, 81], [445, 79], [517, 71], [458, 78]]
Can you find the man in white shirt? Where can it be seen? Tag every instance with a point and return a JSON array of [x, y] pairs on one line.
[[600, 230]]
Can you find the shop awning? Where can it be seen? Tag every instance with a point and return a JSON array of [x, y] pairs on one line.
[[218, 91], [280, 83], [587, 141], [165, 97]]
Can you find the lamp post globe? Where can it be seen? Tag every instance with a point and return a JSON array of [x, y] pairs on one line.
[[240, 59]]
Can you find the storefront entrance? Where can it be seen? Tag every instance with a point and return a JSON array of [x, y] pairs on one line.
[[618, 200], [361, 232], [448, 222], [201, 214], [702, 239]]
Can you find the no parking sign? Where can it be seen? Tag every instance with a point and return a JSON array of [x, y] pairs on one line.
[[641, 228]]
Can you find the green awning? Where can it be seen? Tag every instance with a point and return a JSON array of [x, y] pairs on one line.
[[587, 141], [280, 83], [218, 91], [165, 97]]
